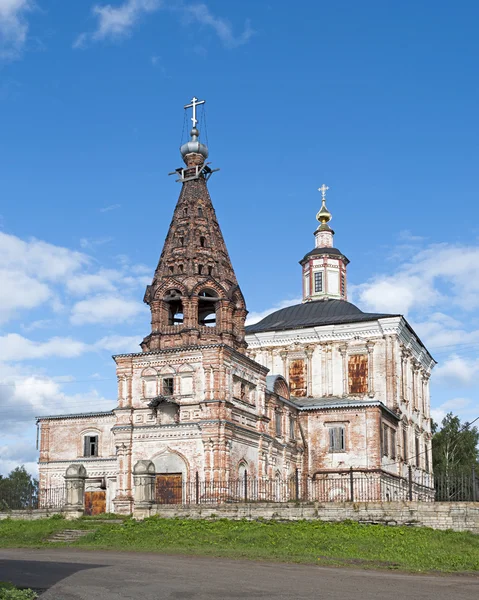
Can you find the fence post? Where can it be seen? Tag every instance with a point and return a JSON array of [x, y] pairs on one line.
[[410, 483], [351, 485], [474, 495], [246, 486], [296, 481], [197, 487]]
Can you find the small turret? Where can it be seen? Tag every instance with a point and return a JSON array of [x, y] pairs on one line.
[[324, 268]]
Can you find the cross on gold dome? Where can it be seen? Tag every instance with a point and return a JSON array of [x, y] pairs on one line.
[[323, 189], [194, 103], [323, 216]]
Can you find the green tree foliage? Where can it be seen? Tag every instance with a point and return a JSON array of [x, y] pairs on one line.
[[455, 446], [18, 490], [10, 592]]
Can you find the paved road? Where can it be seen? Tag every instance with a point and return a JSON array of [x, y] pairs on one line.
[[85, 575]]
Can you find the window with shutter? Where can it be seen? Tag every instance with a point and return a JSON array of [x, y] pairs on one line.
[[278, 423], [336, 439], [404, 444], [393, 444], [385, 440], [90, 445]]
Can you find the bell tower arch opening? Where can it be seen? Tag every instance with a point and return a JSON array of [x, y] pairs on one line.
[[207, 308], [175, 307]]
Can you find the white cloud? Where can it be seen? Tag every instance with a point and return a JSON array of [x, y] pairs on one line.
[[39, 259], [91, 243], [457, 370], [105, 309], [15, 348], [13, 27], [19, 291], [255, 317], [102, 281], [437, 275], [119, 343], [222, 27], [116, 22], [110, 208], [464, 406]]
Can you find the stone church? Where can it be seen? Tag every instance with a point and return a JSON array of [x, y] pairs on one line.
[[309, 392]]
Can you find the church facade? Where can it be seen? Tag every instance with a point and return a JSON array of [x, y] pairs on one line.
[[309, 392]]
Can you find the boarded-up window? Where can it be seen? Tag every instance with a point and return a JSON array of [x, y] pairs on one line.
[[297, 378], [336, 439], [358, 374]]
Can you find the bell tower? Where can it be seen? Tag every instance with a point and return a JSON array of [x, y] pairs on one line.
[[324, 268], [194, 297]]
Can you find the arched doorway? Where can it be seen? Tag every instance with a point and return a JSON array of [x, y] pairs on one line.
[[171, 471]]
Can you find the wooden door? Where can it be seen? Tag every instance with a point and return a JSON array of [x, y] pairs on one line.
[[169, 488], [95, 502]]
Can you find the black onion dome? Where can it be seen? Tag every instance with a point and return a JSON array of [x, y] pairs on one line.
[[312, 314]]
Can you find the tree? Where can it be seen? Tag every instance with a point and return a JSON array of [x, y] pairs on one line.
[[455, 446], [18, 490]]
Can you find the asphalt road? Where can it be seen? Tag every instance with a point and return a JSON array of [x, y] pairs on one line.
[[84, 575]]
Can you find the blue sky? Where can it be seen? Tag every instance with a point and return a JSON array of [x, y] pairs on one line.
[[378, 99]]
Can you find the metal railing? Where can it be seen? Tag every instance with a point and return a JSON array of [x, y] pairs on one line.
[[31, 498], [337, 486]]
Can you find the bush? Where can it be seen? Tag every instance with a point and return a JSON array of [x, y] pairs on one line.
[[10, 592]]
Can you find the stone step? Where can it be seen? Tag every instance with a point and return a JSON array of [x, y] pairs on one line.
[[69, 535]]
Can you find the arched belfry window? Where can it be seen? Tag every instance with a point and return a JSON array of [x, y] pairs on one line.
[[207, 306], [175, 307]]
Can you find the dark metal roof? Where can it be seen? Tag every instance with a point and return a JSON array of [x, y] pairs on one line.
[[99, 413], [329, 251], [312, 314]]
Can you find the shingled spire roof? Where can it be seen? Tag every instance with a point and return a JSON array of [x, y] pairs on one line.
[[194, 297]]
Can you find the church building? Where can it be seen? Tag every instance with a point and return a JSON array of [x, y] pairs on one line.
[[306, 394]]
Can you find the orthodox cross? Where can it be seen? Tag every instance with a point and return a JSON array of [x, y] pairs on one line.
[[194, 103], [323, 189]]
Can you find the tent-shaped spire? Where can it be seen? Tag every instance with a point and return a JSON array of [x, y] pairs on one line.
[[194, 296]]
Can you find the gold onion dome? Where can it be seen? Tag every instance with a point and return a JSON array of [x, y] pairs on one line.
[[324, 216]]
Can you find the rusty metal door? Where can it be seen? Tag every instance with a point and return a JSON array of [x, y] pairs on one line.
[[358, 374], [297, 378], [95, 502], [169, 488]]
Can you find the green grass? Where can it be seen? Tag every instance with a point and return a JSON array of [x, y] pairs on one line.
[[370, 546]]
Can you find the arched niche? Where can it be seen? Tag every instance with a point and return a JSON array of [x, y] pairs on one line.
[[170, 462]]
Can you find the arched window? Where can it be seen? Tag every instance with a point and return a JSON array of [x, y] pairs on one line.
[[207, 306], [210, 270], [202, 241], [181, 240], [200, 269], [200, 211]]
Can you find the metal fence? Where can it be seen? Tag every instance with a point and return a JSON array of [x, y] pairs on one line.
[[347, 486], [457, 486], [339, 486], [31, 498]]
